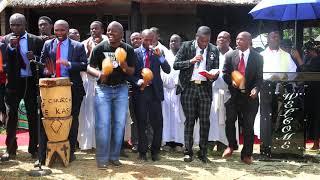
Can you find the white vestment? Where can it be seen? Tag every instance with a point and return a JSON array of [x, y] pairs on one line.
[[220, 95], [173, 126]]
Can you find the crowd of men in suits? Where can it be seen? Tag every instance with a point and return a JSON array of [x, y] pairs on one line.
[[193, 78]]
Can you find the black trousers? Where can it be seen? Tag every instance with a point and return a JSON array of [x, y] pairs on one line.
[[2, 101], [134, 127], [26, 90], [196, 103], [240, 102], [73, 134], [147, 106]]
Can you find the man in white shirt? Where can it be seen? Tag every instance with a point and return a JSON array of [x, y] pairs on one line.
[[274, 58]]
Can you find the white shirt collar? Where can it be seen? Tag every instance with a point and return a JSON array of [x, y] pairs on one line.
[[25, 36], [63, 42], [245, 53]]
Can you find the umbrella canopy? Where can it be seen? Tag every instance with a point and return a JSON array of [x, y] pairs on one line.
[[286, 10]]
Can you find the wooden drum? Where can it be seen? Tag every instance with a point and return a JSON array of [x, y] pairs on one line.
[[57, 129], [56, 98]]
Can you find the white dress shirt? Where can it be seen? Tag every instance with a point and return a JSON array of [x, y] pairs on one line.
[[202, 65]]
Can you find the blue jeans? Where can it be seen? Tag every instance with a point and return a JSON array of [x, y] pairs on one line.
[[111, 104]]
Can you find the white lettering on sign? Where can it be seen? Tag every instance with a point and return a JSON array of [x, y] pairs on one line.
[[289, 109]]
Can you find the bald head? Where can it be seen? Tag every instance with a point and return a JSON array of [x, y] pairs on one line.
[[61, 29], [62, 22], [243, 41], [175, 43], [17, 24], [147, 38], [115, 33], [223, 41]]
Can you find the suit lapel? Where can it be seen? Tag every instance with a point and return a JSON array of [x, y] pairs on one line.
[[70, 50], [193, 49], [236, 59], [208, 60], [29, 40], [249, 64]]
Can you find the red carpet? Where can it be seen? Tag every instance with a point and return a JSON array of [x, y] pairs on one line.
[[22, 138]]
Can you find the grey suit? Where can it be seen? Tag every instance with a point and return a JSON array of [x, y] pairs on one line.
[[241, 102], [195, 99]]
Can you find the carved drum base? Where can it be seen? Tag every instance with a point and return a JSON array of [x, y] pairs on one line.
[[62, 149]]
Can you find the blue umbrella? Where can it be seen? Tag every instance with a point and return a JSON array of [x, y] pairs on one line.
[[286, 10]]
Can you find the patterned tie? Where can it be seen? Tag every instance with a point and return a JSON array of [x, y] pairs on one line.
[[147, 64], [58, 55], [20, 59], [242, 66]]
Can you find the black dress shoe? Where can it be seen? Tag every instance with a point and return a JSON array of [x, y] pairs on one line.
[[37, 163], [102, 166], [6, 156], [115, 162], [204, 159], [142, 157], [134, 149], [72, 157], [155, 157], [187, 158], [34, 155]]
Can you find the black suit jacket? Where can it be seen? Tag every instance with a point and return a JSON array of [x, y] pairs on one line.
[[12, 66], [182, 63], [155, 68], [253, 74], [76, 56]]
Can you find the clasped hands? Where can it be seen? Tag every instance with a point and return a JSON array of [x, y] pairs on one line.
[[50, 68]]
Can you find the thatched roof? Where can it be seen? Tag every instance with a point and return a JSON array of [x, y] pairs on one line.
[[57, 3], [211, 2]]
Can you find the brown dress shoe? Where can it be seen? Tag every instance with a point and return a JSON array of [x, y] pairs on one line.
[[227, 153], [247, 160]]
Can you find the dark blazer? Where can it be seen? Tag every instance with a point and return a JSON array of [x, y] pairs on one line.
[[76, 56], [254, 70], [182, 63], [12, 66], [155, 65]]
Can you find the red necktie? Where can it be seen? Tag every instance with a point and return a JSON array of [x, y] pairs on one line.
[[147, 64], [58, 55], [242, 66]]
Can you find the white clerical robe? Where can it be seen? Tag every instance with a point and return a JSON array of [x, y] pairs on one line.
[[220, 95], [173, 126]]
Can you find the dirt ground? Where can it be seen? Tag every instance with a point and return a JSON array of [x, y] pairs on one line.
[[171, 166]]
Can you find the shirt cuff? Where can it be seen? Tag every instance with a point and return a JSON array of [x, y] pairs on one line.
[[162, 59], [140, 81], [69, 65]]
